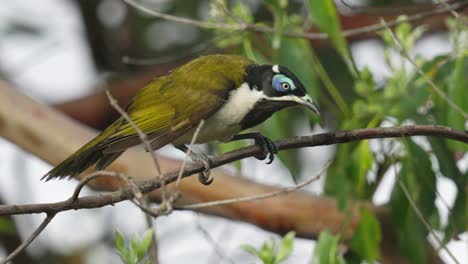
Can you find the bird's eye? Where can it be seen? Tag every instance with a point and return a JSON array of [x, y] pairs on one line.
[[282, 83]]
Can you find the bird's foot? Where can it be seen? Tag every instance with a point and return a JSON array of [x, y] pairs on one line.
[[268, 147], [204, 176]]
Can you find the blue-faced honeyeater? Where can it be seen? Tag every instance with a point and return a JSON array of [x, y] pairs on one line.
[[231, 93]]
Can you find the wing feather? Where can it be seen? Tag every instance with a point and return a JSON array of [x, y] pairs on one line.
[[171, 105]]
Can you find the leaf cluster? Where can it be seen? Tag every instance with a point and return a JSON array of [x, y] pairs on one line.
[[134, 251], [272, 253]]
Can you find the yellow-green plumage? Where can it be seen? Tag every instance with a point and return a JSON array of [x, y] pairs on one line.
[[165, 109]]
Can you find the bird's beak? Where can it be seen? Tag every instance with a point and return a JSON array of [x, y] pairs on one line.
[[307, 101], [304, 100]]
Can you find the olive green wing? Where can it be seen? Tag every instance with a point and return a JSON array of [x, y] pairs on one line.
[[171, 105]]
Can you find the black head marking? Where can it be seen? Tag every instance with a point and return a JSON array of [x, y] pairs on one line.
[[275, 82], [263, 78]]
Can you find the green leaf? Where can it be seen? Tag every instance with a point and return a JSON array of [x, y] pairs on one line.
[[417, 175], [339, 185], [119, 241], [362, 161], [446, 159], [457, 88], [349, 170], [423, 182], [406, 35], [366, 239], [278, 8], [323, 14], [242, 12], [458, 219], [7, 226], [132, 258], [238, 11], [327, 250], [267, 252], [145, 243], [447, 72], [411, 232], [125, 256], [138, 247], [285, 247], [135, 246], [365, 86], [458, 216], [250, 249]]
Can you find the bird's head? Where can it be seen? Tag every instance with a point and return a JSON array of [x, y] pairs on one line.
[[279, 87]]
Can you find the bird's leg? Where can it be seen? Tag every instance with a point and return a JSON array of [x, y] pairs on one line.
[[269, 148], [204, 176]]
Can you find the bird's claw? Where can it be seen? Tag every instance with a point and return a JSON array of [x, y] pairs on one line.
[[204, 176], [269, 148]]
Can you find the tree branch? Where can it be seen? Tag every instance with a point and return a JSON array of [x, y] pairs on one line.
[[289, 143]]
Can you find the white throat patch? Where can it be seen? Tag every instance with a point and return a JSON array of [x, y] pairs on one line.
[[239, 104], [225, 123]]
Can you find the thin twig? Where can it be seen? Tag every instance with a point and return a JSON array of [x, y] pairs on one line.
[[154, 242], [219, 251], [452, 11], [421, 216], [396, 9], [30, 239], [189, 151], [310, 35], [88, 178], [132, 186], [395, 22], [322, 139], [144, 141], [431, 83], [260, 196], [451, 220], [183, 20]]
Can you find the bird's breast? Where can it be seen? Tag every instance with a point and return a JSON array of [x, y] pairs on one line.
[[226, 122]]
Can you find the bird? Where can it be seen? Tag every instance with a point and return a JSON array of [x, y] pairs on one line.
[[230, 93]]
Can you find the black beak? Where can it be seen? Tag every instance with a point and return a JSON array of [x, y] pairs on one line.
[[307, 101]]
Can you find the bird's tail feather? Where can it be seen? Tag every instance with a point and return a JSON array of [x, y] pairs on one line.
[[87, 156]]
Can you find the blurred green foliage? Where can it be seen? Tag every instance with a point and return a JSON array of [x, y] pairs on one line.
[[7, 226], [327, 249], [134, 251], [354, 99], [272, 253]]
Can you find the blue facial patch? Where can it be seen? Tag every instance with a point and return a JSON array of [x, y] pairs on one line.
[[282, 83]]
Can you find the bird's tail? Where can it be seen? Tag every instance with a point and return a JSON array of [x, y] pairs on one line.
[[87, 156]]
